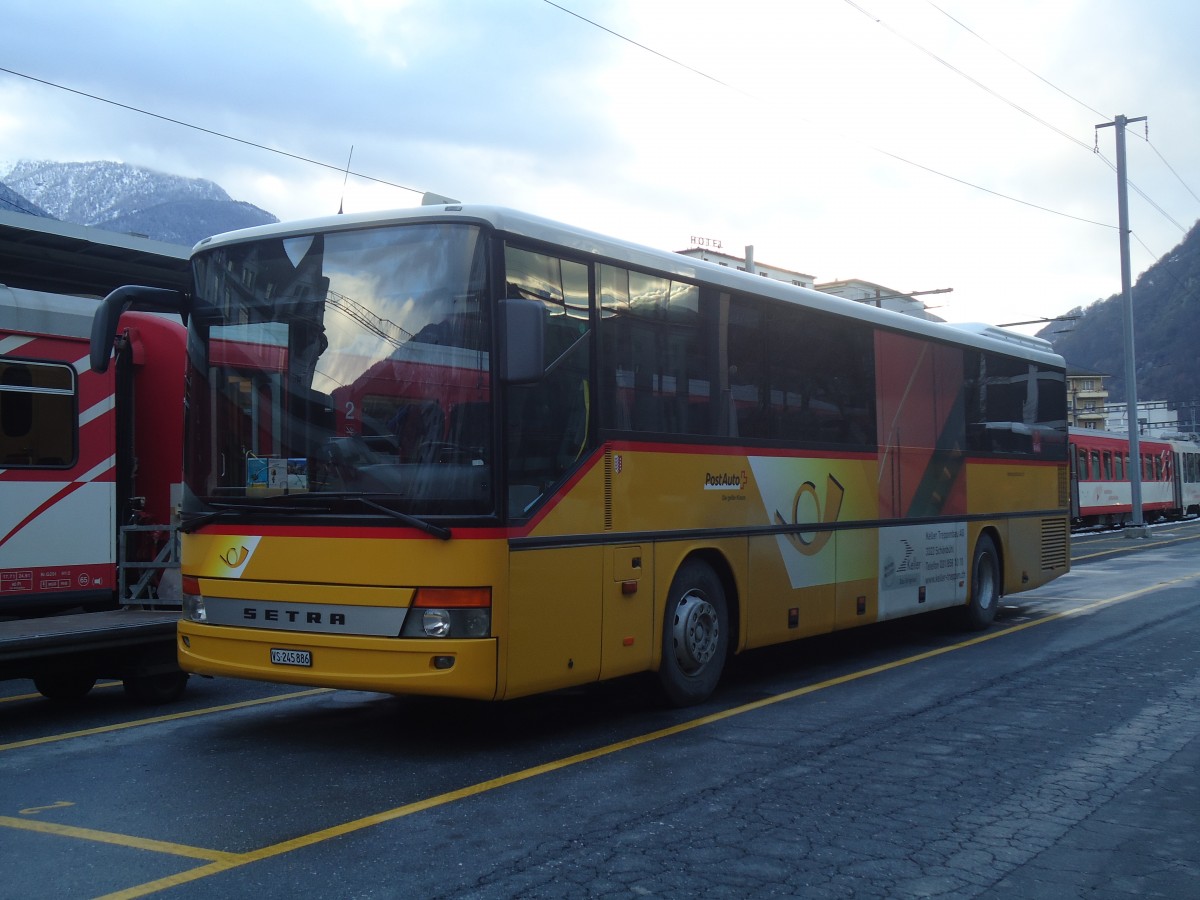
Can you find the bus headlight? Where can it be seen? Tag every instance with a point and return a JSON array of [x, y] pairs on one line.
[[436, 622], [449, 613], [193, 600], [475, 622]]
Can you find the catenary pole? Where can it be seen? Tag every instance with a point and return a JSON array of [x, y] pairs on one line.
[[1137, 527]]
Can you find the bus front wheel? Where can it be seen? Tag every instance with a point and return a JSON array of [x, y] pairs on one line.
[[984, 600], [695, 635]]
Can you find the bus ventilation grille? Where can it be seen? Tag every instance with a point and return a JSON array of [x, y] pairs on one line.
[[1064, 486], [608, 476], [1055, 544]]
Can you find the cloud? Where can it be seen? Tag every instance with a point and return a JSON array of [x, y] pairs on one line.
[[776, 124]]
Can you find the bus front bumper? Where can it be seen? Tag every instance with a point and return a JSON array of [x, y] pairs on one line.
[[430, 667]]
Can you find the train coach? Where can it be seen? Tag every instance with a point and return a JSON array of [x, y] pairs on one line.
[[1101, 494]]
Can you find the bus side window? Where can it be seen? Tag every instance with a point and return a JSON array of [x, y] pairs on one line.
[[546, 423]]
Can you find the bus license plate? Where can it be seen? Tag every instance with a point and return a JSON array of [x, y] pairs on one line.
[[291, 657]]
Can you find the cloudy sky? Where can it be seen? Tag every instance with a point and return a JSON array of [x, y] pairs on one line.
[[918, 144]]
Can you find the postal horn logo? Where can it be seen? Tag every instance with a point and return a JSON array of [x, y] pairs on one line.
[[235, 556], [806, 498]]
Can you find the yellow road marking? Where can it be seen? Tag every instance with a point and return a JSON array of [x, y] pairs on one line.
[[233, 861], [107, 837], [37, 696], [1137, 544], [34, 810], [154, 720]]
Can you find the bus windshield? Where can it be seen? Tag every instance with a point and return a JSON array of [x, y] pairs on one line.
[[328, 368]]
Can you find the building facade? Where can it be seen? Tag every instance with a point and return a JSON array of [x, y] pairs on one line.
[[854, 289], [877, 295], [1087, 399], [721, 258], [1154, 419]]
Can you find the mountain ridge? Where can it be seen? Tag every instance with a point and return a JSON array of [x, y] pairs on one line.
[[127, 199], [1166, 308]]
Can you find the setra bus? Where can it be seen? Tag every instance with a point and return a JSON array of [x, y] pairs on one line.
[[463, 451]]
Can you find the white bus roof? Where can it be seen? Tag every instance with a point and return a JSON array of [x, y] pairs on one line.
[[984, 337]]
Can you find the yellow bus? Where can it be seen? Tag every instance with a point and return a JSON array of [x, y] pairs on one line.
[[468, 452]]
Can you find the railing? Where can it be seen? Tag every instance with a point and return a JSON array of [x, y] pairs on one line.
[[146, 587]]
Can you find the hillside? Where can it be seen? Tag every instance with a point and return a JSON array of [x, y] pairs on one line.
[[11, 200], [1166, 308], [127, 199]]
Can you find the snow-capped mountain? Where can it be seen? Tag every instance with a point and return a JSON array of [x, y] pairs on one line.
[[10, 199], [128, 199]]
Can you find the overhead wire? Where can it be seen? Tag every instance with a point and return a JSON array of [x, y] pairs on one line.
[[1095, 150], [1073, 98], [1150, 144], [1016, 62], [970, 184], [346, 170], [997, 193], [1167, 270], [629, 40], [975, 81], [229, 137]]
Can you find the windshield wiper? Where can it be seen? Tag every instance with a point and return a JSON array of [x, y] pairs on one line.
[[198, 519], [428, 527]]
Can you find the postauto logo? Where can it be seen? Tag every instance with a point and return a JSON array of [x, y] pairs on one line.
[[726, 481]]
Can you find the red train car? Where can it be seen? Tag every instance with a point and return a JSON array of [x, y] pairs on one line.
[[82, 454], [1100, 478]]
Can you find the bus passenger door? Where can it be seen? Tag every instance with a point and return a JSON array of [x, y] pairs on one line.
[[628, 628]]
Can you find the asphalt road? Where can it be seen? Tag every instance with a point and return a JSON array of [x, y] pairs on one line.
[[1053, 756]]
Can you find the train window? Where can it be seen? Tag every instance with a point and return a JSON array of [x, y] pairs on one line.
[[1118, 467], [37, 414], [1096, 470], [1081, 464], [1108, 466]]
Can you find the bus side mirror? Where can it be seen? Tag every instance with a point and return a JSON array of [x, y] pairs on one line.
[[108, 313], [522, 340]]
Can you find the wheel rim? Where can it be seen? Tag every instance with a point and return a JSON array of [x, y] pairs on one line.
[[696, 632], [985, 588]]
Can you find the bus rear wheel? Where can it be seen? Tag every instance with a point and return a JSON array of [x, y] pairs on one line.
[[984, 599], [64, 686], [695, 635]]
